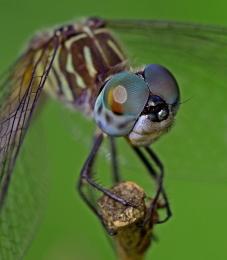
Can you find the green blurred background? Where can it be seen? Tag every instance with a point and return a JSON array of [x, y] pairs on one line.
[[68, 230]]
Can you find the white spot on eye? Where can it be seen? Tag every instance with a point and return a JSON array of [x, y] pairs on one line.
[[120, 94]]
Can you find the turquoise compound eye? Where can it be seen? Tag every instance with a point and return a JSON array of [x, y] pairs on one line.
[[120, 103], [162, 83]]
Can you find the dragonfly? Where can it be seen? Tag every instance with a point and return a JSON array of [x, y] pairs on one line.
[[84, 67]]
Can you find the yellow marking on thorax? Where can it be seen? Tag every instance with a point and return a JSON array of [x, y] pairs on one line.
[[98, 46], [51, 85], [115, 49], [70, 68], [79, 80], [111, 43], [101, 30], [89, 62], [70, 41], [65, 86]]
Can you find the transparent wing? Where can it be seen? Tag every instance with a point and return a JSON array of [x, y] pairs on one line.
[[20, 89], [197, 55], [201, 41], [27, 194]]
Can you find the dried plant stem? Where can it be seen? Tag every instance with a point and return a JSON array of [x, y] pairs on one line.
[[131, 240]]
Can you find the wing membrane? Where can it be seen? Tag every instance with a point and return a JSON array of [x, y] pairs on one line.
[[24, 85], [199, 40], [20, 89]]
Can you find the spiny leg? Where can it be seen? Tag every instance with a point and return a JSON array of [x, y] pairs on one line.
[[158, 179], [86, 178], [114, 161], [160, 190], [90, 159]]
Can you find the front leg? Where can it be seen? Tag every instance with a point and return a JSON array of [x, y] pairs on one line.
[[158, 179], [114, 161], [160, 188], [86, 178]]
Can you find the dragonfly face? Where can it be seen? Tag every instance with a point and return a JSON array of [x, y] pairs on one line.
[[141, 106]]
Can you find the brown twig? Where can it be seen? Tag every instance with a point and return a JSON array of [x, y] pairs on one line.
[[132, 240]]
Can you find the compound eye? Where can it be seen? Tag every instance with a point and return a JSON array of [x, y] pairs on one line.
[[162, 83], [122, 100], [126, 94]]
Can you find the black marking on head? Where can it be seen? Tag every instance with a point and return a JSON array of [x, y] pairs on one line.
[[99, 123], [108, 118], [99, 111], [117, 113], [122, 125], [156, 109], [175, 106]]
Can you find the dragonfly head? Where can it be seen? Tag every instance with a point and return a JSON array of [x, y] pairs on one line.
[[141, 106]]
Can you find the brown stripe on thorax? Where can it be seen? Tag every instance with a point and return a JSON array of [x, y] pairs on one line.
[[84, 61], [110, 47], [80, 51]]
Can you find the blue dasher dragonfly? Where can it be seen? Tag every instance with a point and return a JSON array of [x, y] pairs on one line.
[[84, 67]]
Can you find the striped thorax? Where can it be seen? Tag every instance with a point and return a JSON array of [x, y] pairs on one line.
[[87, 56]]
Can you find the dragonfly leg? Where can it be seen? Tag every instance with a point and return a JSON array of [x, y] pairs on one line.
[[113, 153], [159, 182], [160, 189], [86, 178]]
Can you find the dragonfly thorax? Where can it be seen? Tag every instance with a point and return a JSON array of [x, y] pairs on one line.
[[87, 55]]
